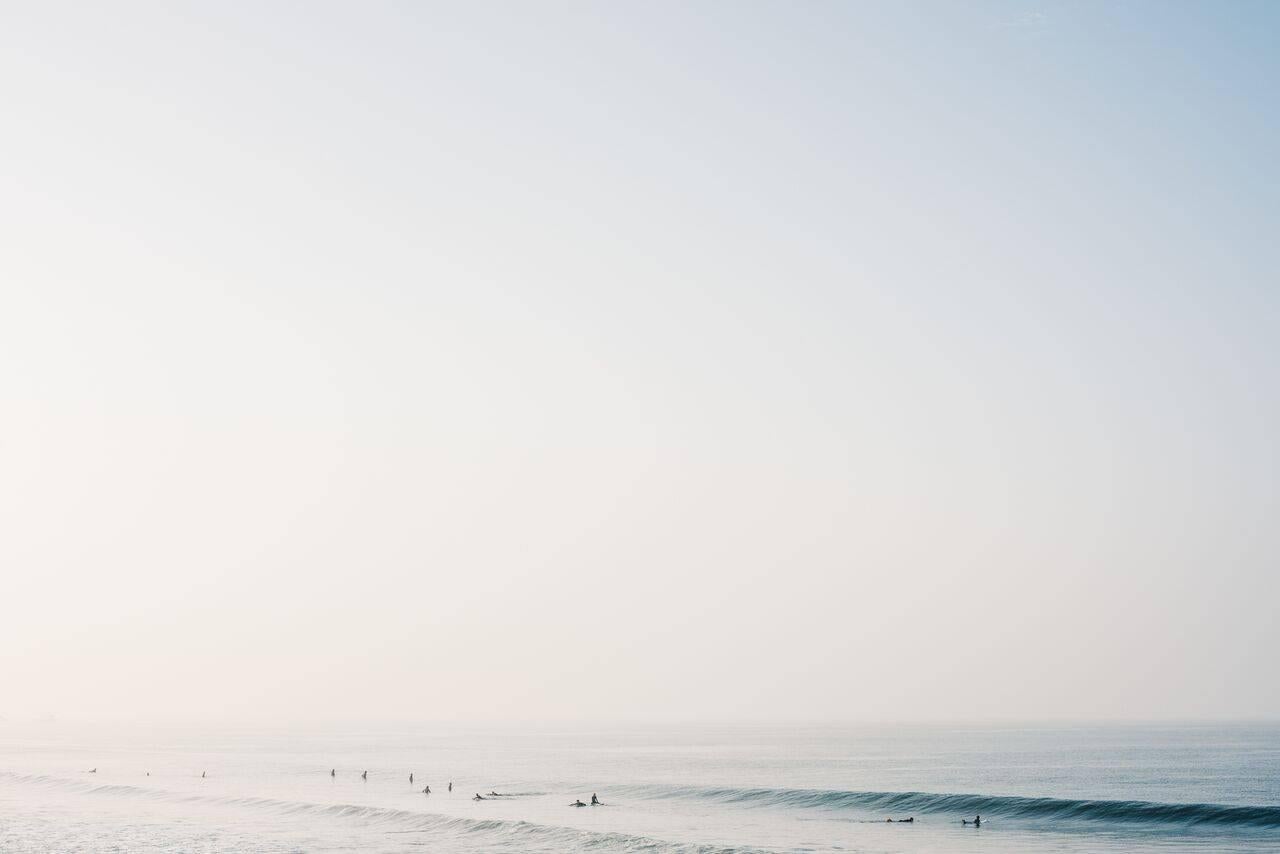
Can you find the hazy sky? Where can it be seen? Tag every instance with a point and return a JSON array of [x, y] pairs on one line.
[[639, 361]]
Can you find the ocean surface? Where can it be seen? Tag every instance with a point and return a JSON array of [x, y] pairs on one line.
[[1130, 788]]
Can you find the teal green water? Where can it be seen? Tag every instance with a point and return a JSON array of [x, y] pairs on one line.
[[1053, 788]]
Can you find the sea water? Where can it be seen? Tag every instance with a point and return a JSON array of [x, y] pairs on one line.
[[1059, 788]]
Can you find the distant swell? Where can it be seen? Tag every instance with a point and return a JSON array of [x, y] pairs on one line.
[[958, 805], [527, 835]]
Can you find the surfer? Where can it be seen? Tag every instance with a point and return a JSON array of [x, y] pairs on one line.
[[595, 802], [93, 770], [427, 790], [202, 773], [451, 785], [901, 820], [410, 778], [577, 803], [333, 772], [496, 795], [364, 776], [977, 821], [478, 797]]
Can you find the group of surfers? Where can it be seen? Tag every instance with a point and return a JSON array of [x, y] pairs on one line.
[[364, 775], [595, 801], [976, 822]]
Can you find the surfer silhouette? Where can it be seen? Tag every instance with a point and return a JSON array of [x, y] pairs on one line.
[[577, 803], [595, 802]]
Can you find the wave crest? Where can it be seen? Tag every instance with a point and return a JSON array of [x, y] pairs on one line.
[[1151, 812]]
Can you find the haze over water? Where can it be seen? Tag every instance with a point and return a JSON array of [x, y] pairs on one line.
[[575, 362]]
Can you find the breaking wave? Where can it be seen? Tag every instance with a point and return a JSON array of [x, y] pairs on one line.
[[1187, 815], [521, 835]]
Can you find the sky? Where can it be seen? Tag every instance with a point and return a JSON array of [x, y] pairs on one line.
[[639, 362]]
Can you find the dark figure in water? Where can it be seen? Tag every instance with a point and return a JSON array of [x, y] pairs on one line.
[[333, 772], [496, 795], [410, 778], [478, 797], [93, 770], [577, 803], [595, 802], [901, 820], [451, 785], [977, 821], [427, 790], [364, 776], [202, 774]]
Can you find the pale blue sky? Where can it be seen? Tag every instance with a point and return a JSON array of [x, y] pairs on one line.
[[631, 361]]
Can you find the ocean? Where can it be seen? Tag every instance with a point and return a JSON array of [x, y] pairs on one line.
[[1052, 788]]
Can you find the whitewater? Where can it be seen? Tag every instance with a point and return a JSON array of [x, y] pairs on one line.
[[1143, 788]]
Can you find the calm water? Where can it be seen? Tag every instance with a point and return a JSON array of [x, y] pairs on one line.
[[1059, 789]]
